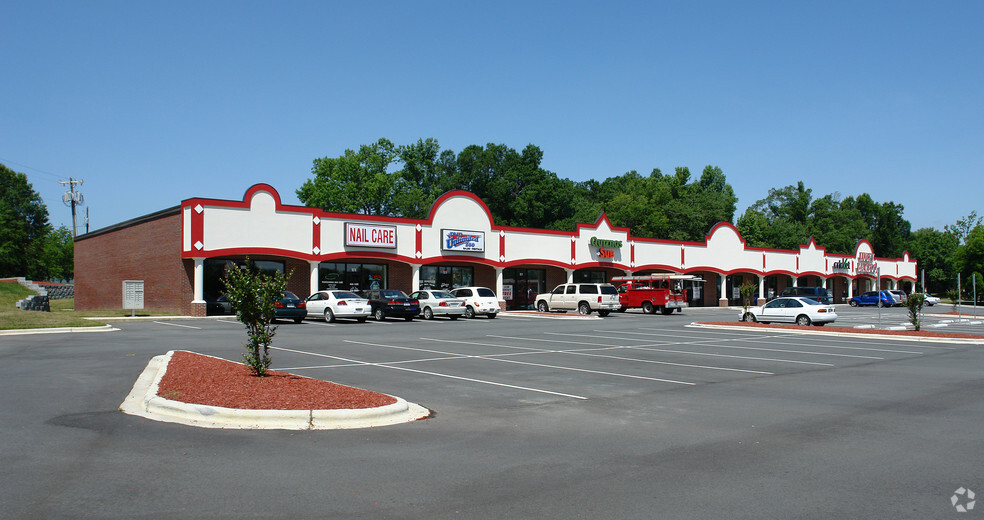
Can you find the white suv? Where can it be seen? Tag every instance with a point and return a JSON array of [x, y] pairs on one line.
[[478, 300], [584, 297]]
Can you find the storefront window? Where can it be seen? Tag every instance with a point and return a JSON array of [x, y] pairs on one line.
[[446, 277], [351, 277], [215, 272], [585, 276]]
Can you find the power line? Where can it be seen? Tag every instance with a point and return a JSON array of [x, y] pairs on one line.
[[22, 165]]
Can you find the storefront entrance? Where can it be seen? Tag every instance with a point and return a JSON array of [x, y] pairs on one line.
[[351, 276], [446, 277], [520, 286]]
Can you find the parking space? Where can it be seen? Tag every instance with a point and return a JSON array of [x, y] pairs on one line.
[[525, 359], [589, 413]]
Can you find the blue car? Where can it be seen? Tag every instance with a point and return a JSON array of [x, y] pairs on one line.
[[879, 298]]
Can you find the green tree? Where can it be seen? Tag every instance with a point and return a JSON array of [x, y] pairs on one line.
[[935, 250], [969, 258], [23, 225], [355, 182], [253, 295], [56, 259]]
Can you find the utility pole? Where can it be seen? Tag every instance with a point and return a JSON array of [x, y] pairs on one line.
[[72, 198]]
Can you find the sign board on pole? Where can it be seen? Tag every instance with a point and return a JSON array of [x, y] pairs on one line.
[[133, 294]]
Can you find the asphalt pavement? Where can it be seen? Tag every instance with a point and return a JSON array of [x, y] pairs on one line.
[[630, 416]]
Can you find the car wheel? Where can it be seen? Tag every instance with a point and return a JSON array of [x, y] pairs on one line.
[[748, 317], [428, 313], [603, 313], [803, 319], [854, 303], [647, 307], [542, 306], [329, 316], [298, 320], [469, 312], [491, 315], [583, 308], [380, 315], [621, 309], [880, 304]]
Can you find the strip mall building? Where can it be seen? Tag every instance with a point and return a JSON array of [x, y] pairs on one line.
[[180, 254]]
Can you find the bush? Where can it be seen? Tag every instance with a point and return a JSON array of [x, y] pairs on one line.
[[253, 295], [915, 305]]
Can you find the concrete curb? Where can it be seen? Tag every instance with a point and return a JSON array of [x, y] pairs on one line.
[[143, 401], [810, 330], [57, 330]]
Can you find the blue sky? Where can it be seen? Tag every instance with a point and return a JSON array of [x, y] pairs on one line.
[[154, 102]]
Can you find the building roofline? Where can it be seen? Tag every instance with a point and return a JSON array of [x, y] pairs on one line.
[[175, 210]]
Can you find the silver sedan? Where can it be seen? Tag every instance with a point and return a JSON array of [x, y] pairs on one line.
[[439, 303]]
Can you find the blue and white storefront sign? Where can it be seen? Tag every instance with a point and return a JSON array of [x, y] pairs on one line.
[[457, 240]]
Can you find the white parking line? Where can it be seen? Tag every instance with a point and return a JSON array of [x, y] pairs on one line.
[[177, 325], [435, 374], [705, 342], [500, 359], [588, 352], [654, 348]]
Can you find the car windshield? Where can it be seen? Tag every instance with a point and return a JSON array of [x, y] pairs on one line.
[[441, 295], [289, 296], [487, 293], [342, 295], [392, 293], [810, 301], [608, 289]]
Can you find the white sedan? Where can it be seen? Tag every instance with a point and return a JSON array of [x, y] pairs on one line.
[[434, 303], [338, 304], [930, 299], [801, 311]]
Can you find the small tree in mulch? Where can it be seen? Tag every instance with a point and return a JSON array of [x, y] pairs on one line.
[[915, 305], [253, 295], [747, 292]]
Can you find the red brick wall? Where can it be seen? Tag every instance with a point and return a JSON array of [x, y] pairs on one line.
[[148, 251]]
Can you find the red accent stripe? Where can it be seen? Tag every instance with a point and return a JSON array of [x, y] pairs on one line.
[[420, 241], [502, 245], [197, 228], [315, 237]]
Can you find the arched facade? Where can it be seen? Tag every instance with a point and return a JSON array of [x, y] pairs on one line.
[[457, 244]]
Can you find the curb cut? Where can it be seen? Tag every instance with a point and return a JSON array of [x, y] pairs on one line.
[[967, 341], [143, 401]]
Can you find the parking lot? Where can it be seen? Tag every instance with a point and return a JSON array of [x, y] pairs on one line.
[[630, 416]]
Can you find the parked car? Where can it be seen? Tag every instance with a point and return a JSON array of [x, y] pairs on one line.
[[820, 294], [290, 307], [392, 302], [221, 306], [900, 297], [879, 298], [338, 304], [478, 300], [930, 299], [583, 297], [798, 310], [439, 303]]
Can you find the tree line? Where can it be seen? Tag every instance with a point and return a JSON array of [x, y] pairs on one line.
[[383, 178], [29, 245]]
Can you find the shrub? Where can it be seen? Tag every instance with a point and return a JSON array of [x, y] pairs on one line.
[[915, 305], [253, 295]]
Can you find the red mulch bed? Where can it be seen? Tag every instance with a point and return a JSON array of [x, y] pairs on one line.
[[197, 379], [828, 328]]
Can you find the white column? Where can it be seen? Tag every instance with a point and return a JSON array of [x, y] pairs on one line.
[[796, 281], [498, 287], [761, 289], [850, 288], [722, 293], [314, 275], [570, 275], [199, 281], [415, 278]]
